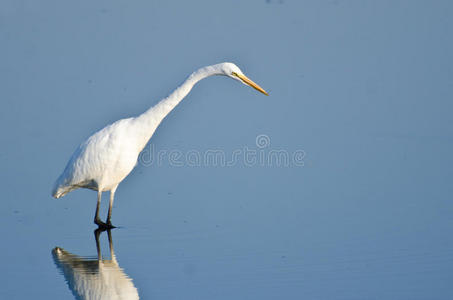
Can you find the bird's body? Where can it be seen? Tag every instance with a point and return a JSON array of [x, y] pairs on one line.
[[102, 161], [109, 155]]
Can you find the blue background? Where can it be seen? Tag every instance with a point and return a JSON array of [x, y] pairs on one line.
[[364, 88]]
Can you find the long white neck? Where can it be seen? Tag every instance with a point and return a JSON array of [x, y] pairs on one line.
[[150, 119]]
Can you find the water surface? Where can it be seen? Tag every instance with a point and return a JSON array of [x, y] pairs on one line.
[[362, 89]]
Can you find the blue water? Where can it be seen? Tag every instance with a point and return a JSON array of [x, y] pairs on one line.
[[346, 189]]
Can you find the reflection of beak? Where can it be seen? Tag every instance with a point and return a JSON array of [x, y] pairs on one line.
[[247, 81]]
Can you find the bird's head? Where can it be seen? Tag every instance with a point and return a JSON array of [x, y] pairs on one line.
[[233, 71]]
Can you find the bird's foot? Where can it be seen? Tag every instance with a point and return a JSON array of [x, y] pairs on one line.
[[110, 225], [103, 225]]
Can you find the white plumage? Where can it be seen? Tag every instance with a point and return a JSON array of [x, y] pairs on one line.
[[109, 155]]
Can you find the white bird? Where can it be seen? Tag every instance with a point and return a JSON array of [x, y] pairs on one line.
[[98, 278], [109, 155]]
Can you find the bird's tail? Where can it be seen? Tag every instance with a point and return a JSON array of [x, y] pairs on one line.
[[60, 189], [58, 192]]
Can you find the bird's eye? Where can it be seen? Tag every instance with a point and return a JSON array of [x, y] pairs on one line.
[[234, 74]]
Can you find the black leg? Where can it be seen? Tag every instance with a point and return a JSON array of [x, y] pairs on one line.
[[109, 215], [97, 220]]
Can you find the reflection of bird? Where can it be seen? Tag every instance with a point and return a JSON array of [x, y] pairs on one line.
[[90, 278], [108, 156]]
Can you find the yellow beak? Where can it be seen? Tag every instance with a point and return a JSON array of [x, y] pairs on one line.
[[251, 83]]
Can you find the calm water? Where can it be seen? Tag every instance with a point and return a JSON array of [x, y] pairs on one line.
[[336, 186]]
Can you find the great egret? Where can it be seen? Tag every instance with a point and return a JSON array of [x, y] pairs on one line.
[[109, 155]]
